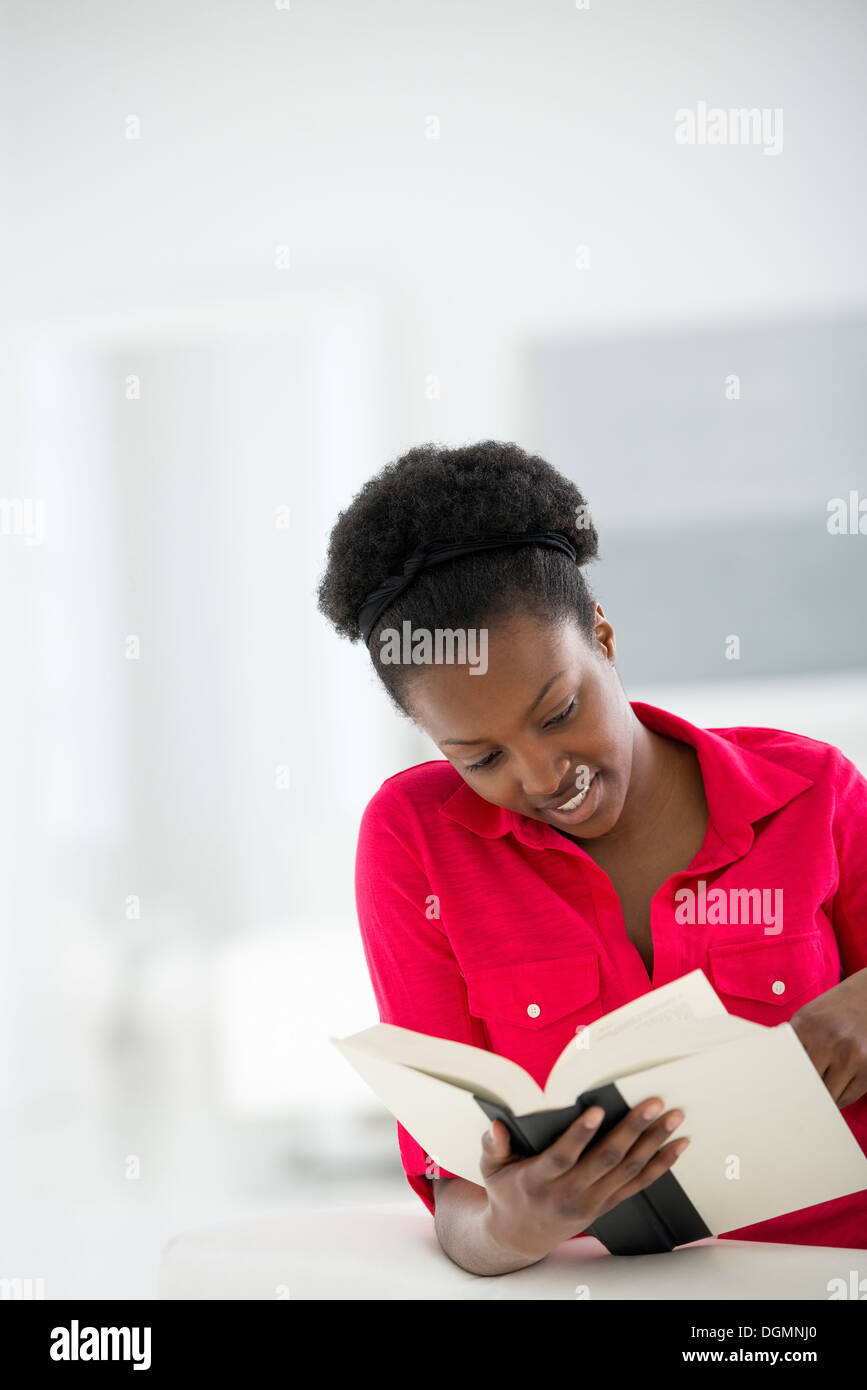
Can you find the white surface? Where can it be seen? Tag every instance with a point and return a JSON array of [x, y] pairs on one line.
[[391, 1252]]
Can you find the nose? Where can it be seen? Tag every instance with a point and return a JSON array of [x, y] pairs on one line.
[[543, 776]]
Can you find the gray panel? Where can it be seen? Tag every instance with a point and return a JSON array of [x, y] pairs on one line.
[[792, 593], [712, 512]]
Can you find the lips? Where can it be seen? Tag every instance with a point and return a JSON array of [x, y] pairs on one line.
[[563, 799], [584, 806], [575, 802]]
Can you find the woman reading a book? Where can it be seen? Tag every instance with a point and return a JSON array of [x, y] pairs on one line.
[[573, 849]]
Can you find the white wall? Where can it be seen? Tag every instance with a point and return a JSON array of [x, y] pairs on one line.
[[306, 127]]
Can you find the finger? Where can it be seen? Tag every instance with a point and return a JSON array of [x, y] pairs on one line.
[[496, 1148], [854, 1091], [838, 1078], [658, 1164], [643, 1152], [560, 1157], [608, 1167]]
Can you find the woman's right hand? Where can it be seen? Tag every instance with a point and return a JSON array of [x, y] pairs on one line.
[[535, 1203]]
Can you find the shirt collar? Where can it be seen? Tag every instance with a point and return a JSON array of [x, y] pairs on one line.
[[740, 785]]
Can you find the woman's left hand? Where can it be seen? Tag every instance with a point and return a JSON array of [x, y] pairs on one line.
[[832, 1029]]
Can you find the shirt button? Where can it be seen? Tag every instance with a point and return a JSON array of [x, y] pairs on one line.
[[533, 1010], [778, 987]]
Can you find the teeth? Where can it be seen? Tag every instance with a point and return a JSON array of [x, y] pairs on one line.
[[575, 802]]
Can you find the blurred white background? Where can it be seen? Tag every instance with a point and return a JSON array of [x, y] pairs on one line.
[[250, 253]]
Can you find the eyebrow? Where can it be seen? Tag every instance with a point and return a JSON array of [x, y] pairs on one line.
[[542, 693]]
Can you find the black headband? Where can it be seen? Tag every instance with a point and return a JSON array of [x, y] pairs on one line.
[[426, 556]]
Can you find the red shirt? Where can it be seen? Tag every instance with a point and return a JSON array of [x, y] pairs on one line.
[[471, 913]]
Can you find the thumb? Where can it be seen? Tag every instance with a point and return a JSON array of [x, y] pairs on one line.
[[496, 1145]]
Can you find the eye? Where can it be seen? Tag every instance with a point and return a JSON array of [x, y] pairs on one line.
[[489, 759], [558, 718], [485, 762]]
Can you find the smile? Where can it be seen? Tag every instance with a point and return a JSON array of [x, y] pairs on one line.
[[576, 800], [581, 806]]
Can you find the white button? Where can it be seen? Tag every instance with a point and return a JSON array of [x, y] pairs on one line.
[[778, 987], [533, 1010]]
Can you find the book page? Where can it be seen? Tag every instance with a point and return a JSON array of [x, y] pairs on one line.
[[766, 1137], [472, 1068], [623, 1053], [680, 1001], [692, 996], [444, 1119]]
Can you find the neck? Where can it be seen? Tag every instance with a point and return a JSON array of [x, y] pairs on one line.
[[657, 772]]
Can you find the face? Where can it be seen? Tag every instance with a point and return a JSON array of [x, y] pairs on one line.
[[548, 725]]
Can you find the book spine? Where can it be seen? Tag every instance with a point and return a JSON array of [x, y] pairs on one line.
[[652, 1221]]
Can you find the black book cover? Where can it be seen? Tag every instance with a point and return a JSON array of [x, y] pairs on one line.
[[654, 1220]]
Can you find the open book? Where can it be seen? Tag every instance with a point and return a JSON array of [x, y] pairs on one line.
[[766, 1136]]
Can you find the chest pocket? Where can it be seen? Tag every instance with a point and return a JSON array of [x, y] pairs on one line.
[[781, 973], [531, 995]]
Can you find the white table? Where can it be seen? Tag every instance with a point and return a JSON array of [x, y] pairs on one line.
[[391, 1252]]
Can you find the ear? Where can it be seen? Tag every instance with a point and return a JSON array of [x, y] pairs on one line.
[[603, 635]]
